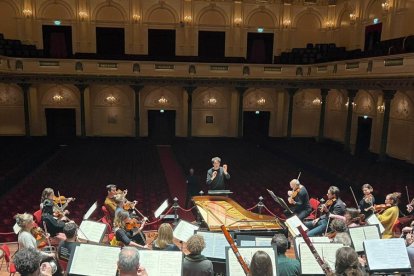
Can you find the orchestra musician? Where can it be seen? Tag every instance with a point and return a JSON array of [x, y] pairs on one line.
[[285, 265], [261, 264], [299, 197], [126, 231], [110, 203], [25, 237], [352, 217], [217, 175], [195, 263], [367, 201], [333, 205], [53, 225], [59, 209], [165, 238], [389, 214], [67, 246]]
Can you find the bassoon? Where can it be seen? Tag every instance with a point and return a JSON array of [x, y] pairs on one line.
[[325, 267], [235, 250]]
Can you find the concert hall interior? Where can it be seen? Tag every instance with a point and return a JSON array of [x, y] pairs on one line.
[[135, 93]]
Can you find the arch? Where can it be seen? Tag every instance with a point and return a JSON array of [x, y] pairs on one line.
[[114, 6], [153, 95], [162, 6], [253, 95], [308, 11], [12, 4], [218, 10], [402, 106], [202, 97], [70, 96], [304, 99], [259, 11], [45, 6], [365, 103], [371, 5], [10, 95], [120, 95], [344, 12], [335, 100]]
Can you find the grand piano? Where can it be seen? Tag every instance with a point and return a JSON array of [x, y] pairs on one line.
[[221, 210]]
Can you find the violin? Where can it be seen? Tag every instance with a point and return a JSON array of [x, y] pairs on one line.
[[40, 236], [293, 194], [133, 223], [381, 208], [59, 200]]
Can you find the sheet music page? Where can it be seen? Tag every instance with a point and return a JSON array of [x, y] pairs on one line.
[[91, 210], [247, 243], [95, 260], [360, 234], [387, 254], [92, 231], [215, 245], [326, 251], [293, 223], [184, 230], [299, 240], [165, 263], [234, 267], [262, 241], [374, 220], [161, 209], [16, 228]]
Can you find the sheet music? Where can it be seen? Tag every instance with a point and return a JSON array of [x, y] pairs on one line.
[[184, 230], [235, 269], [90, 210], [387, 254], [373, 219], [298, 240], [293, 223], [326, 251], [262, 241], [94, 260], [215, 245], [92, 231], [16, 228], [165, 263], [247, 243], [360, 234], [161, 209]]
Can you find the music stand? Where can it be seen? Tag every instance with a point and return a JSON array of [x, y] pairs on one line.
[[280, 201], [161, 209]]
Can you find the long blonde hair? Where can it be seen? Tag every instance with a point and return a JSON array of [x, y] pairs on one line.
[[165, 235], [120, 217], [23, 220]]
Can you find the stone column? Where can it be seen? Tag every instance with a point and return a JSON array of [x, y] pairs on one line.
[[388, 95], [347, 140], [291, 92], [241, 90], [190, 90], [25, 88], [82, 88], [137, 88], [324, 93]]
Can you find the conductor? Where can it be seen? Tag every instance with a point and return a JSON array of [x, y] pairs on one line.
[[216, 175]]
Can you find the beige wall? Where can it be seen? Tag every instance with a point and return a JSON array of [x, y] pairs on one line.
[[308, 23]]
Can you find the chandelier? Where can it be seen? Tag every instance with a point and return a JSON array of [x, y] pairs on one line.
[[261, 101], [162, 100], [212, 101], [316, 101], [111, 99], [57, 98]]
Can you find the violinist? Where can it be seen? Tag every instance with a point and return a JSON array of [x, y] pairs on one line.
[[390, 214], [127, 231], [25, 236], [352, 217], [59, 203], [110, 203], [53, 225], [333, 205], [339, 232], [67, 246], [299, 197], [367, 201], [164, 240]]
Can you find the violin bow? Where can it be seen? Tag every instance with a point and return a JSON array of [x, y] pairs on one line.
[[299, 176], [356, 202], [408, 195], [47, 238]]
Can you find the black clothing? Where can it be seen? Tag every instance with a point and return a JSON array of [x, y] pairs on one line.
[[169, 247], [127, 236], [364, 205], [302, 206], [218, 182], [65, 249], [53, 225], [193, 188]]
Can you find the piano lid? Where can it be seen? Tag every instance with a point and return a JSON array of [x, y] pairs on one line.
[[219, 210]]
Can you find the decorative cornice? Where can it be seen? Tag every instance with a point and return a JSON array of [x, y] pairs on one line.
[[383, 83]]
